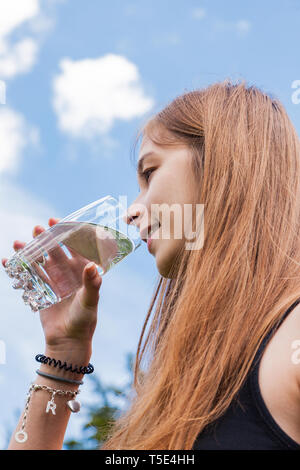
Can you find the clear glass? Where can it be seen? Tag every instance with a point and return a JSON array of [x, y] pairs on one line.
[[49, 268]]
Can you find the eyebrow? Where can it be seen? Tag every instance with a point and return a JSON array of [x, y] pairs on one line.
[[141, 162]]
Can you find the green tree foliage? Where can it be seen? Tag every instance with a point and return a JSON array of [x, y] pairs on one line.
[[100, 417]]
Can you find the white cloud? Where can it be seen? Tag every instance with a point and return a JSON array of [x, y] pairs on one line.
[[19, 56], [2, 92], [16, 57], [91, 94], [14, 13], [15, 135]]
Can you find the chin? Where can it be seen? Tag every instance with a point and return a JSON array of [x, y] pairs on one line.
[[164, 271], [165, 259]]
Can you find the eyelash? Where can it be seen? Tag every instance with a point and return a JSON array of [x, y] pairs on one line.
[[144, 173]]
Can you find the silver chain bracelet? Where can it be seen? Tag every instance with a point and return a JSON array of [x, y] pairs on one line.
[[22, 436]]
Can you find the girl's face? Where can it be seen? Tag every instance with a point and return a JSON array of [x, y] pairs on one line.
[[168, 181]]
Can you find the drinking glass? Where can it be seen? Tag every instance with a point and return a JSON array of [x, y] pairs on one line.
[[49, 268]]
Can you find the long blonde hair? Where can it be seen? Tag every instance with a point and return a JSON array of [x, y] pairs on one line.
[[210, 318]]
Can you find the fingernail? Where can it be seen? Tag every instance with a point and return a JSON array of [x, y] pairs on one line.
[[91, 269]]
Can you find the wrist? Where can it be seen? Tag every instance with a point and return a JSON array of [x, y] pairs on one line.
[[57, 384], [71, 358], [71, 348]]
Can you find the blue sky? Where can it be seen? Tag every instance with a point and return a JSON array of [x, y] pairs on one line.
[[80, 78]]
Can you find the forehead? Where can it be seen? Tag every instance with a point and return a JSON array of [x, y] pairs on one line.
[[164, 151], [148, 145]]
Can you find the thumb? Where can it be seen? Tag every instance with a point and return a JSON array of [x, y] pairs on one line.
[[91, 285]]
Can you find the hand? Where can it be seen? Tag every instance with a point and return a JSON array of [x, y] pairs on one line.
[[73, 320]]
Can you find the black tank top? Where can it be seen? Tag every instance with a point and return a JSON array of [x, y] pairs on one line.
[[247, 424]]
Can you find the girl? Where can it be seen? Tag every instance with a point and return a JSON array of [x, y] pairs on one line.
[[220, 369]]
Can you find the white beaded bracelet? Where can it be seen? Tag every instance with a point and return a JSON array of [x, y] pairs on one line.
[[74, 405]]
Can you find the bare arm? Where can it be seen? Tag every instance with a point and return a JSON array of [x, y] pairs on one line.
[[68, 327], [46, 430]]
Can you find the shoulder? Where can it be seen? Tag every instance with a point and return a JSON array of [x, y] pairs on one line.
[[279, 374], [283, 350], [295, 345]]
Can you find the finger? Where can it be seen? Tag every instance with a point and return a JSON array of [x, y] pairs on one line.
[[56, 253], [53, 221], [37, 230], [73, 253], [91, 285], [17, 245]]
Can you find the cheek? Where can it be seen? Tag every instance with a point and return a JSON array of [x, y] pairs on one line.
[[164, 187]]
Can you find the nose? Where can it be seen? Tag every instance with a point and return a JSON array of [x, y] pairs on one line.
[[133, 214]]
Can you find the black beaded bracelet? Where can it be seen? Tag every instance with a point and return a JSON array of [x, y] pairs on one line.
[[47, 360]]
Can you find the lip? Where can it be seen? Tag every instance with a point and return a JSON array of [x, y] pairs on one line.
[[149, 240], [146, 234]]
